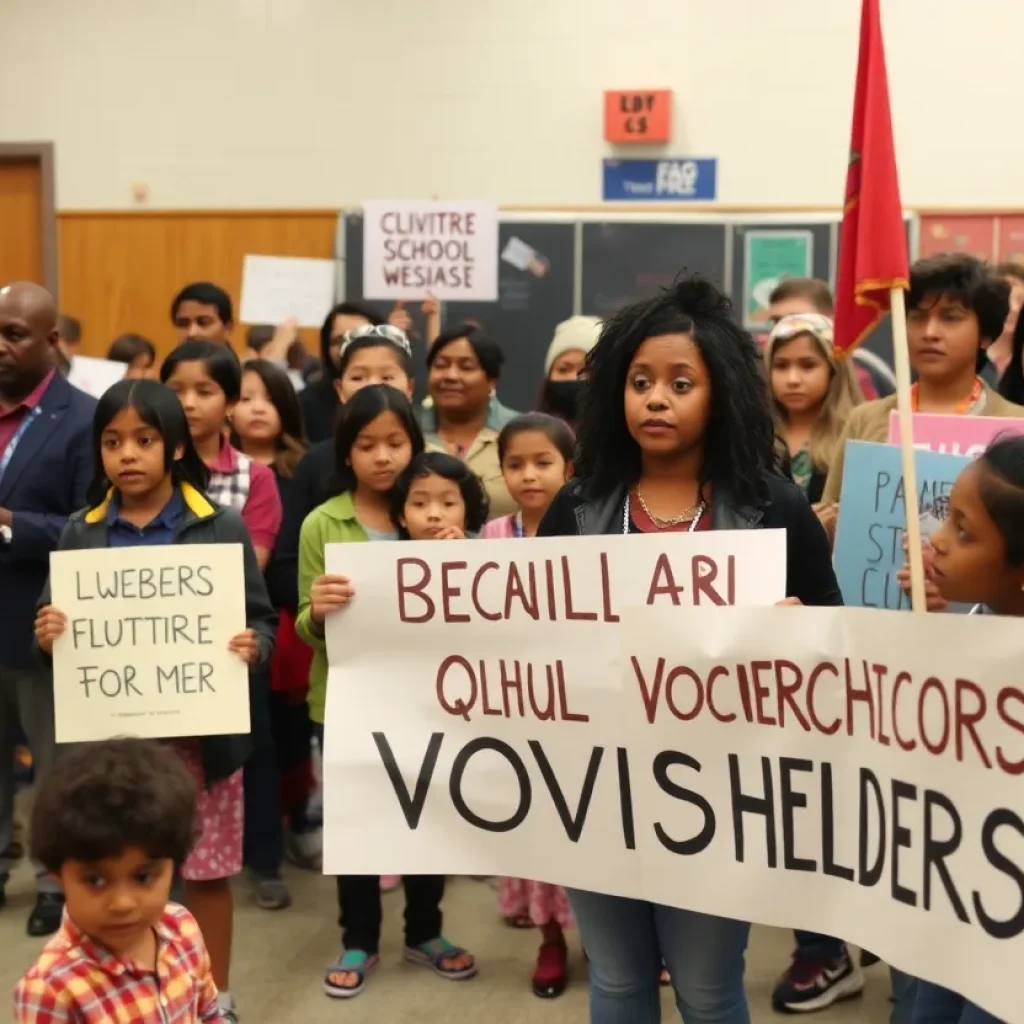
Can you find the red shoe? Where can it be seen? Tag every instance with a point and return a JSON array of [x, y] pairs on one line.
[[551, 974]]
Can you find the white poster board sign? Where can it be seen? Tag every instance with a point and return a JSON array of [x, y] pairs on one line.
[[443, 250], [145, 652], [275, 288], [95, 376]]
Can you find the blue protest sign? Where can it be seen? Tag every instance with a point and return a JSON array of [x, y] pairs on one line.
[[673, 181], [872, 518]]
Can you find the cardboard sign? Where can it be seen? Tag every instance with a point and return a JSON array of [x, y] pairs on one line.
[[275, 288], [638, 116], [145, 652], [441, 250], [868, 550], [955, 435], [95, 376]]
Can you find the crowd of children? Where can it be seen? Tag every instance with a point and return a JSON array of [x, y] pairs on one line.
[[664, 418]]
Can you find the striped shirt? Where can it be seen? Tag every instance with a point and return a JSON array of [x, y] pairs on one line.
[[78, 980]]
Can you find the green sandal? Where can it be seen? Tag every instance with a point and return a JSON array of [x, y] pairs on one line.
[[352, 961], [437, 954]]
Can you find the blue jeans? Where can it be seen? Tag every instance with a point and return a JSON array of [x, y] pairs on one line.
[[935, 1005], [627, 940], [904, 991]]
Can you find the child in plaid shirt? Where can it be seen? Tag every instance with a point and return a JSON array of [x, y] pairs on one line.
[[113, 821]]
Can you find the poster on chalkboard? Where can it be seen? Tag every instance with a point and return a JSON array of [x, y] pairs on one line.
[[770, 256]]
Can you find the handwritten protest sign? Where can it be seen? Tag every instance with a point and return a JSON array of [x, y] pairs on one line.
[[95, 376], [843, 771], [955, 435], [472, 637], [276, 288], [146, 652], [873, 517], [418, 250]]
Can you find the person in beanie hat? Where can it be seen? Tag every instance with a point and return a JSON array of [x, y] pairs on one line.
[[563, 364]]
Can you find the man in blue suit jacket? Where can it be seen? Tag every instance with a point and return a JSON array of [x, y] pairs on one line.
[[45, 468]]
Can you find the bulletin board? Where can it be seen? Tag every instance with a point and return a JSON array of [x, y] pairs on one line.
[[598, 262], [994, 235]]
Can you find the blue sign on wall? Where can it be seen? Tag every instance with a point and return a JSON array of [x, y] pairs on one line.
[[673, 181]]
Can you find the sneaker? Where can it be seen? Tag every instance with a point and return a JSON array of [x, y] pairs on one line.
[[813, 983], [304, 849], [47, 914], [272, 894], [228, 1009]]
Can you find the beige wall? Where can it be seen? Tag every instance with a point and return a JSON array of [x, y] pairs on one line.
[[323, 103]]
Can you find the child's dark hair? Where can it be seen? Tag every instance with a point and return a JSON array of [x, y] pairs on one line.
[[128, 348], [813, 289], [360, 309], [362, 409], [205, 293], [1011, 384], [222, 365], [101, 798], [259, 336], [1002, 492], [291, 443], [967, 280], [158, 406], [739, 440], [555, 429], [474, 494], [489, 353]]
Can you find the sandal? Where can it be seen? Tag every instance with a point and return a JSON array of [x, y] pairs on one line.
[[352, 961], [519, 921], [437, 955]]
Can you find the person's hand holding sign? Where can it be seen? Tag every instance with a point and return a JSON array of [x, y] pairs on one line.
[[246, 646], [50, 624], [328, 594]]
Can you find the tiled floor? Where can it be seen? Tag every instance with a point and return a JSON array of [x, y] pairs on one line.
[[279, 959]]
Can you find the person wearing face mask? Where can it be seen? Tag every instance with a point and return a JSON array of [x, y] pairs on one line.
[[565, 360]]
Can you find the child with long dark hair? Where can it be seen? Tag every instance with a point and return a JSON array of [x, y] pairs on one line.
[[148, 490], [676, 434], [438, 497]]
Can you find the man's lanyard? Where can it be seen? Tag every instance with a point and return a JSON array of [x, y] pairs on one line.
[[5, 459]]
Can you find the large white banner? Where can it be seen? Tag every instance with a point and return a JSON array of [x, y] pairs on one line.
[[440, 249], [515, 709]]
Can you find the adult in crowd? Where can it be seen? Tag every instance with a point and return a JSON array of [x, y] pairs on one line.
[[203, 312], [1011, 385], [45, 469], [676, 435], [955, 307], [464, 416], [563, 366], [320, 400], [811, 295], [1000, 351]]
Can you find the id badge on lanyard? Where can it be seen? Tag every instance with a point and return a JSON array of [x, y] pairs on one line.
[[5, 459]]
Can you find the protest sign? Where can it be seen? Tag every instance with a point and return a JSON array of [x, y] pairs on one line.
[[145, 652], [277, 288], [843, 771], [868, 550], [451, 652], [441, 250], [95, 376], [955, 435]]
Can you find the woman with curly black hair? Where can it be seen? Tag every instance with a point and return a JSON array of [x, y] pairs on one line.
[[676, 434]]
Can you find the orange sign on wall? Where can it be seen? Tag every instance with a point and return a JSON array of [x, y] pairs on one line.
[[638, 115]]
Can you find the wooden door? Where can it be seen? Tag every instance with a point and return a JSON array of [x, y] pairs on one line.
[[21, 240]]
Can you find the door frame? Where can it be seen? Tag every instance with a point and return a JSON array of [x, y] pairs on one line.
[[42, 153]]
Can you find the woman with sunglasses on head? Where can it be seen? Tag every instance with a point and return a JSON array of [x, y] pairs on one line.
[[464, 416]]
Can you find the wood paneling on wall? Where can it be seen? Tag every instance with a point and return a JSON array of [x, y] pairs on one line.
[[120, 271]]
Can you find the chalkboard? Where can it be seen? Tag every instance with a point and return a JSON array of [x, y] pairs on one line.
[[625, 261], [530, 302]]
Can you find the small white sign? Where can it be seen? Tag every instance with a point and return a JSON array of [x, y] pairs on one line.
[[275, 288], [145, 652], [94, 376], [442, 250]]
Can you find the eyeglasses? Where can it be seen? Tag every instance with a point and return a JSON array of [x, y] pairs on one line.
[[385, 332]]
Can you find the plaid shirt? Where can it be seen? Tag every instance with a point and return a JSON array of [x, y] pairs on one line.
[[77, 980]]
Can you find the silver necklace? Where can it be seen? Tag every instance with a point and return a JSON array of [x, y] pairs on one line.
[[685, 516], [625, 517]]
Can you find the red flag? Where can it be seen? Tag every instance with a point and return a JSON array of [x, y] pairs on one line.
[[872, 240]]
